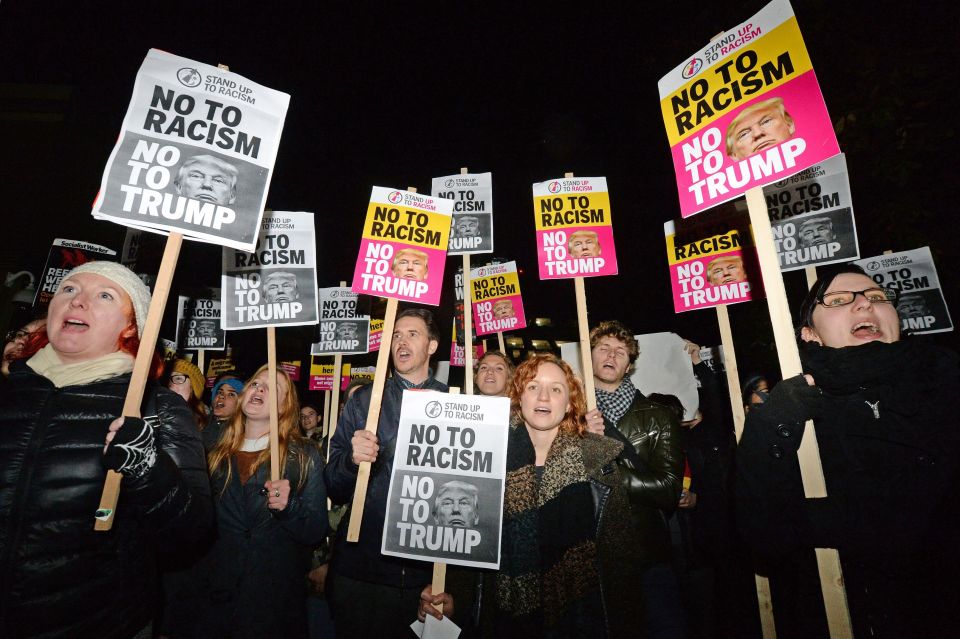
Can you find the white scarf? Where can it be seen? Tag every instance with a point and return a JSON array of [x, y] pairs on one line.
[[46, 362]]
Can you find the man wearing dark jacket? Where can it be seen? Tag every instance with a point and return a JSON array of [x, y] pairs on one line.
[[651, 464], [373, 595]]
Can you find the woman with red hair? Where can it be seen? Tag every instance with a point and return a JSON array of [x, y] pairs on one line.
[[60, 432]]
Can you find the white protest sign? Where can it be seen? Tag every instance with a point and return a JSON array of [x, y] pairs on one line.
[[276, 284], [811, 215], [922, 306], [198, 324], [472, 228], [342, 330], [663, 367], [195, 153], [445, 502]]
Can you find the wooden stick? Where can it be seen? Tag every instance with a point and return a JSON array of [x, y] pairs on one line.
[[373, 419], [440, 568], [200, 366], [467, 329], [586, 360], [733, 373], [273, 403], [325, 429], [503, 348], [103, 519], [811, 471], [335, 405], [736, 405], [811, 273]]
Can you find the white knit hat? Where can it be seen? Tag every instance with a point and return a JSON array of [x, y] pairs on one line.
[[125, 279]]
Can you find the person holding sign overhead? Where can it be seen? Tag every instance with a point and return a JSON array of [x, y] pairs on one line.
[[885, 411], [361, 576], [253, 579], [59, 434]]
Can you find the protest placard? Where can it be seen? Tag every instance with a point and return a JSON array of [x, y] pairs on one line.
[[321, 375], [472, 226], [198, 324], [497, 304], [343, 331], [376, 334], [811, 215], [445, 501], [276, 284], [195, 153], [292, 369], [574, 228], [706, 272], [64, 255], [362, 372], [745, 111], [217, 366], [921, 306], [458, 348], [142, 253], [404, 246]]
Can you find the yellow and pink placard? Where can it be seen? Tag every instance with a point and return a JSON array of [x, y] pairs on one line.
[[404, 246], [495, 296], [707, 271], [745, 111], [574, 228], [321, 375]]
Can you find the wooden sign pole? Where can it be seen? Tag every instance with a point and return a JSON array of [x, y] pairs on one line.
[[811, 471], [467, 322], [273, 403], [439, 568], [103, 519], [586, 359], [333, 414], [811, 273], [200, 365], [373, 415], [503, 348], [325, 430]]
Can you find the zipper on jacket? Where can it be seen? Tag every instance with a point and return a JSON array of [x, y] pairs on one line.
[[596, 534]]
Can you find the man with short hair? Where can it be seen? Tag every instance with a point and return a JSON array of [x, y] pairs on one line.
[[466, 226], [410, 264], [816, 230], [503, 309], [726, 269], [651, 464], [457, 505], [359, 572], [207, 178], [309, 421], [280, 286], [346, 331], [759, 127], [583, 243]]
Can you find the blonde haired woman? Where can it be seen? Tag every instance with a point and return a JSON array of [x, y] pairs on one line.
[[253, 579]]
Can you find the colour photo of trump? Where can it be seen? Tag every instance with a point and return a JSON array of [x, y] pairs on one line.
[[207, 178], [759, 127], [410, 264], [726, 269], [583, 244]]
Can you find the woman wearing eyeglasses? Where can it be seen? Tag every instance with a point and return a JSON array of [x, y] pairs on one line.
[[885, 412], [186, 380]]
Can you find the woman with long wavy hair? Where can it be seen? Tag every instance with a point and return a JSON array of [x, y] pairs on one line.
[[253, 579]]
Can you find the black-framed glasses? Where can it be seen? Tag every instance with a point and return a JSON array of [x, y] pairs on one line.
[[178, 378], [873, 295], [16, 334]]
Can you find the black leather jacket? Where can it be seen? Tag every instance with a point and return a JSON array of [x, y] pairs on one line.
[[362, 560], [652, 472], [58, 577]]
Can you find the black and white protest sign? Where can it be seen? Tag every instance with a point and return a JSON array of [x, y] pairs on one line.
[[811, 215], [195, 153], [276, 284], [343, 331], [471, 230], [63, 257], [446, 491], [922, 306], [198, 324]]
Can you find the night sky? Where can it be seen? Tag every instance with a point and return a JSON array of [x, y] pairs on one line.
[[524, 90]]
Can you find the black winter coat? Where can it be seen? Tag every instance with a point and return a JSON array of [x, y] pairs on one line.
[[362, 560], [253, 583], [58, 577], [886, 425]]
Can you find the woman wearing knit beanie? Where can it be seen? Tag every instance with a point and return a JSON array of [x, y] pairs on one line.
[[60, 431], [186, 380]]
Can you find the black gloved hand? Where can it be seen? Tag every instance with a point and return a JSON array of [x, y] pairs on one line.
[[133, 451]]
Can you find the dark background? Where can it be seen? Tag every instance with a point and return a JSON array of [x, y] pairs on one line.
[[522, 89]]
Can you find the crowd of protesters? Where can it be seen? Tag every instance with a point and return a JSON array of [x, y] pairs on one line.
[[635, 519]]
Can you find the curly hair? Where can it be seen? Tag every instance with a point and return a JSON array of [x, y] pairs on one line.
[[573, 421], [616, 330]]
